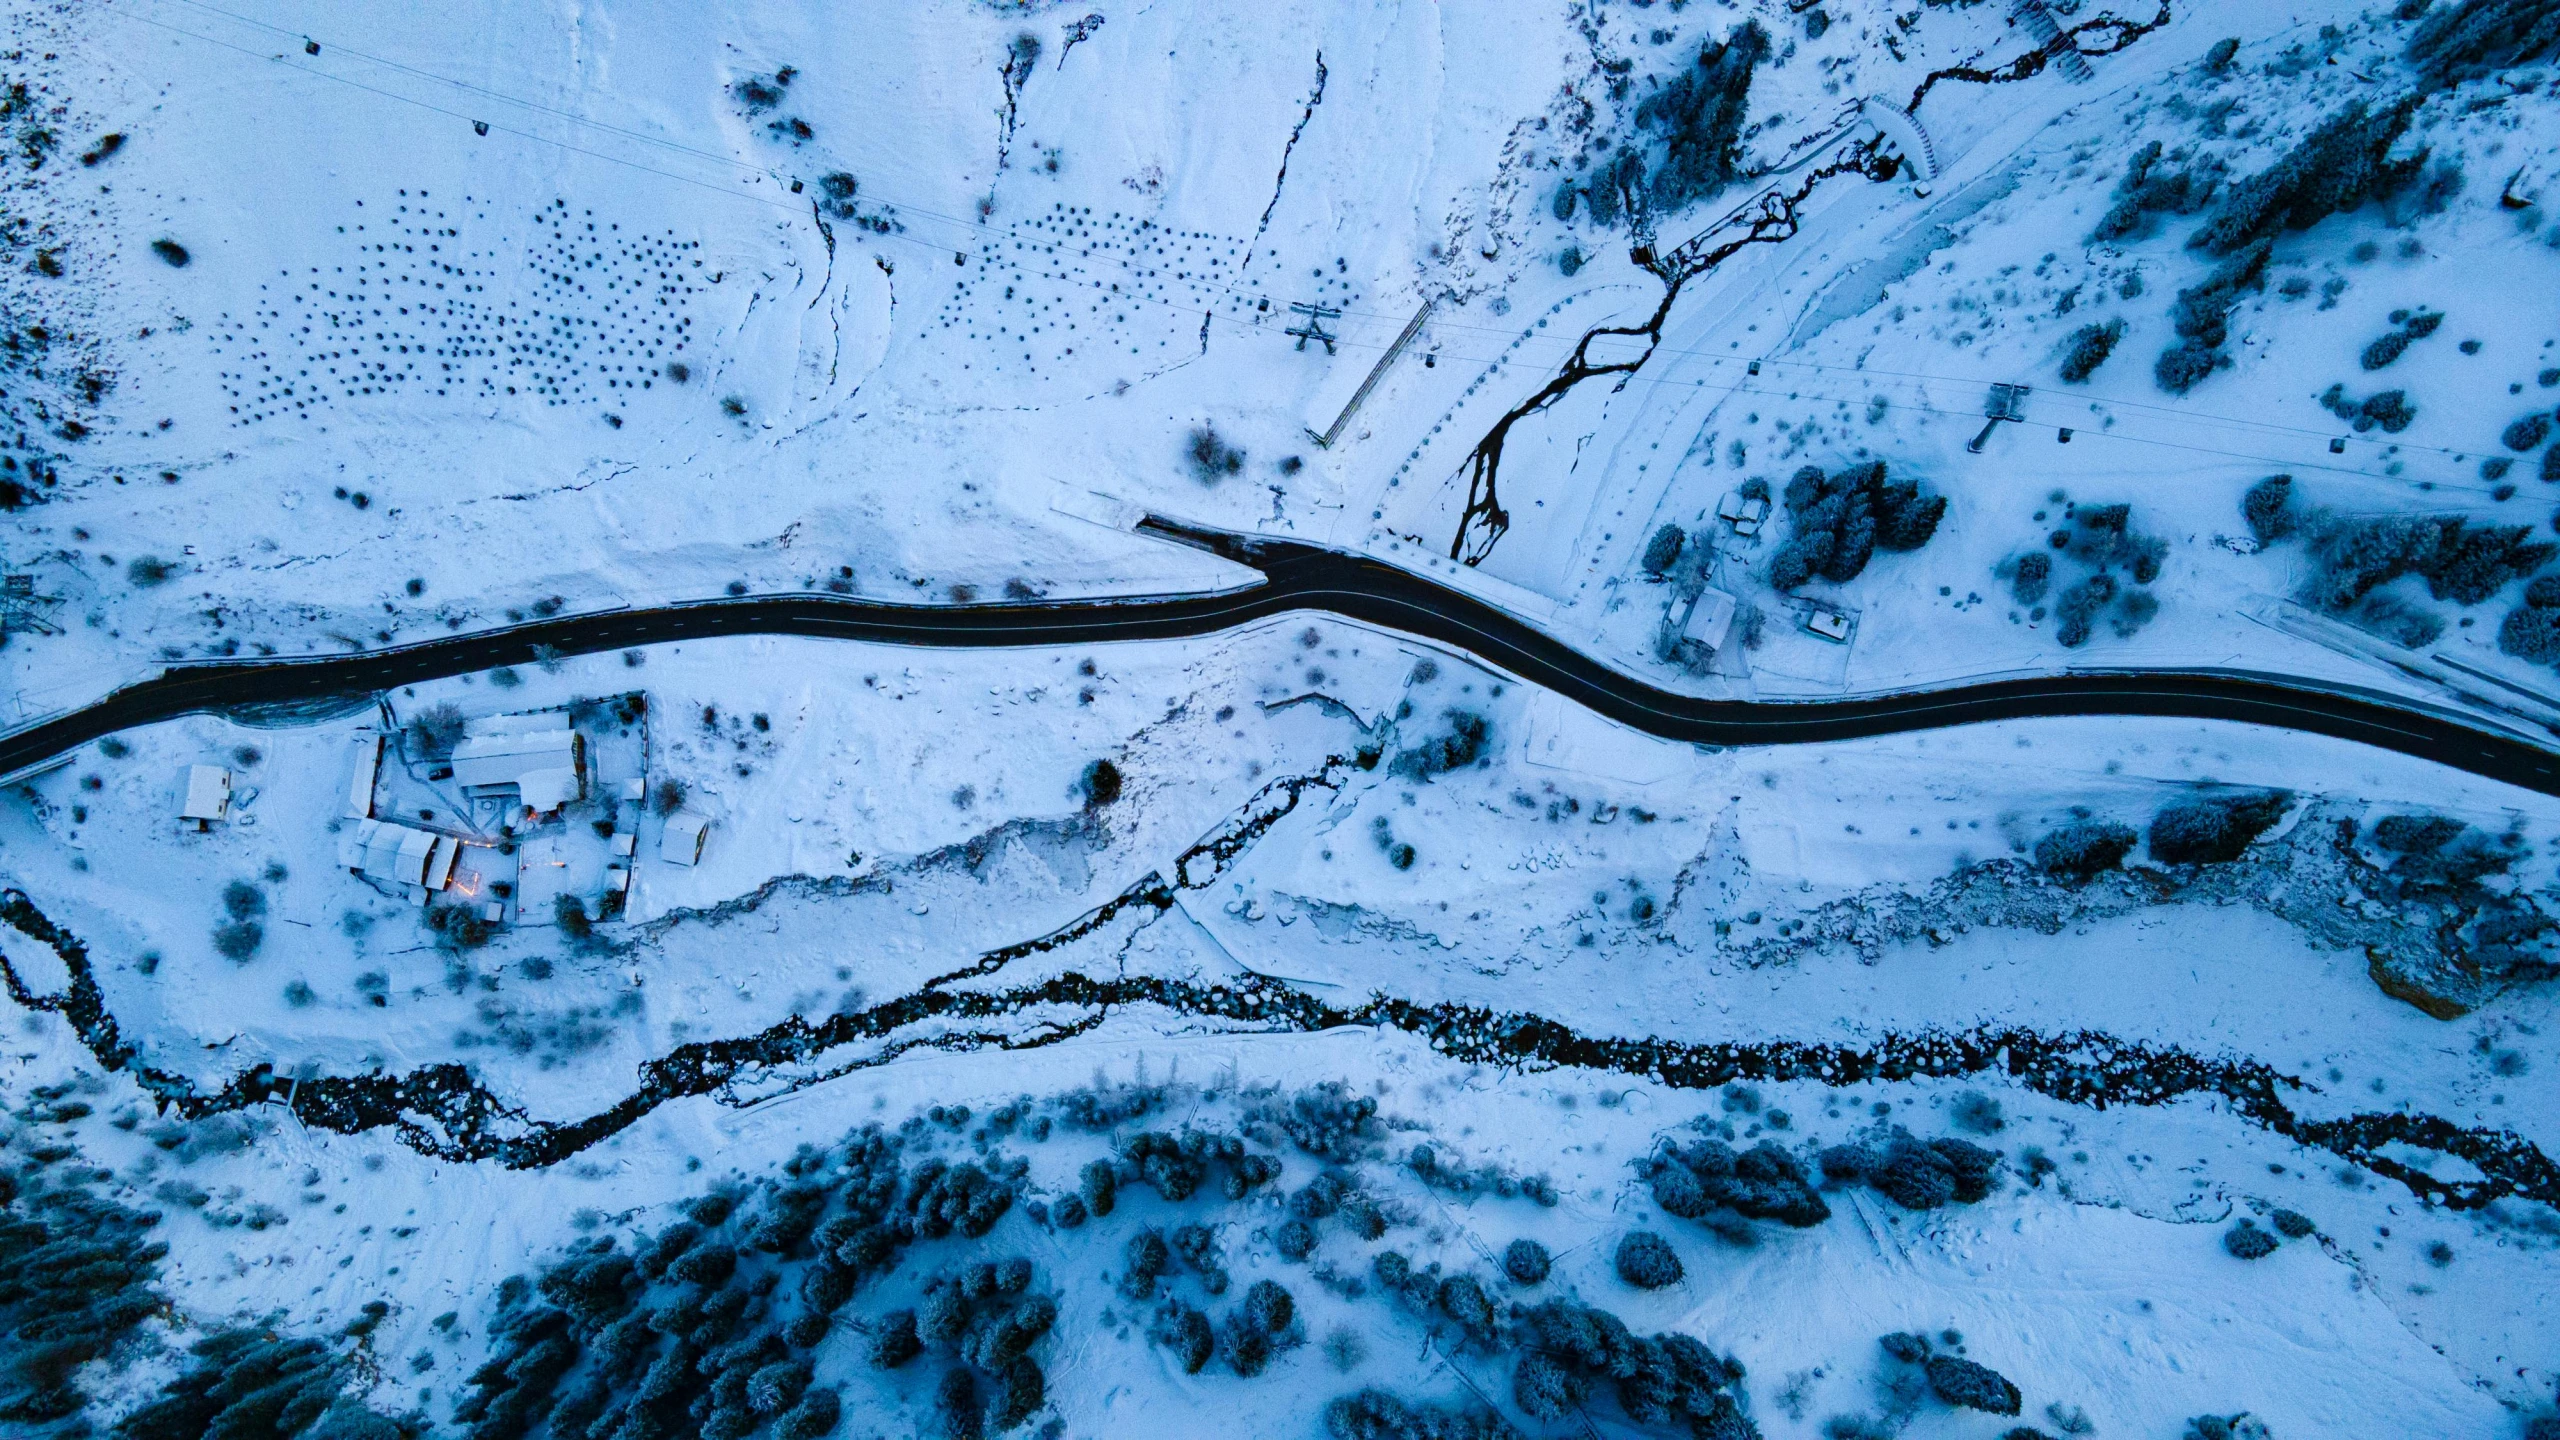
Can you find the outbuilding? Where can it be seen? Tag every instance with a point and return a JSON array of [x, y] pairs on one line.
[[400, 854], [682, 842], [208, 796]]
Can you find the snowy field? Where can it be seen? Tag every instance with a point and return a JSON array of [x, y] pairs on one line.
[[1301, 1030]]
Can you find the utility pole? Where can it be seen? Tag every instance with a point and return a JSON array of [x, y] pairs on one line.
[[2007, 403], [1314, 328], [24, 611]]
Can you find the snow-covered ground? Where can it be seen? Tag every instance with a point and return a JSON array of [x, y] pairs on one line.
[[385, 323]]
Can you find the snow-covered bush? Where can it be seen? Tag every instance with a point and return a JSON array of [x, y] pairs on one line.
[[1977, 1114], [2089, 348], [1210, 457], [1461, 743], [2029, 576], [1567, 1349], [1762, 1183], [2202, 316], [2268, 507], [2390, 346], [2246, 1241], [2146, 191], [1099, 785], [1187, 1333], [2243, 1426], [1971, 1385], [1647, 1261], [2077, 610], [2083, 848], [2214, 829], [1662, 550], [1526, 1262], [1378, 1415]]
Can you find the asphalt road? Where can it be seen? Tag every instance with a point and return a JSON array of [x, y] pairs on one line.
[[1305, 578]]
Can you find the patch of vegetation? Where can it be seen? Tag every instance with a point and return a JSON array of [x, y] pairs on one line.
[[1568, 1351], [76, 1284], [2214, 829], [1838, 521], [2336, 168], [1705, 1179], [2471, 39], [1461, 742], [253, 1383], [2202, 318], [2084, 848], [1696, 119], [2147, 191], [2390, 346], [437, 729], [1662, 550], [2462, 562], [2389, 409], [1210, 457], [2089, 348], [1099, 784], [2268, 507], [1646, 1261], [1915, 1174]]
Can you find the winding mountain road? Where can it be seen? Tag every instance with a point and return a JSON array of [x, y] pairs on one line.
[[1301, 578]]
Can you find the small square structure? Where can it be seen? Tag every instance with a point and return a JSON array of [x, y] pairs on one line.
[[208, 796], [682, 842], [1745, 513], [1831, 625]]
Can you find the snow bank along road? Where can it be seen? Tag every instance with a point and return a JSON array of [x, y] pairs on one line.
[[1299, 577]]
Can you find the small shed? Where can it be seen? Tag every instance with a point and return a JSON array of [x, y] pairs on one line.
[[368, 754], [682, 842], [1831, 625], [208, 795], [1745, 513]]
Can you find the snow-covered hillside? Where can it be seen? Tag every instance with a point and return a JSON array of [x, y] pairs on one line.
[[1303, 1028]]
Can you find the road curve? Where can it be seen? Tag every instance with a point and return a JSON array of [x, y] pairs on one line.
[[1299, 577]]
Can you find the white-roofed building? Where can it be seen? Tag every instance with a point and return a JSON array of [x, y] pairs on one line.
[[368, 748], [1710, 619], [400, 854], [537, 757], [208, 795], [682, 842]]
